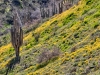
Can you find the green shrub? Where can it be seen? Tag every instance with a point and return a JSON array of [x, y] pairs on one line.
[[69, 18], [36, 36]]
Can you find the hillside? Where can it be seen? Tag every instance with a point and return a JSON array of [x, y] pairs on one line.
[[75, 32]]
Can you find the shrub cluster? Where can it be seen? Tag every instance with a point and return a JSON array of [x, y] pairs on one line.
[[47, 55]]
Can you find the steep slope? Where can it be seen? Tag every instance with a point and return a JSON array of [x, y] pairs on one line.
[[75, 32]]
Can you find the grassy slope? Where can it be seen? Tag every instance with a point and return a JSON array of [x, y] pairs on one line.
[[77, 29]]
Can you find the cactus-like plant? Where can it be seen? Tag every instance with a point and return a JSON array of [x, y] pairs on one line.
[[16, 36], [54, 9], [42, 11], [64, 1], [47, 13], [61, 7]]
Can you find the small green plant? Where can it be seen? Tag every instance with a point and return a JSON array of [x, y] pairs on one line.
[[36, 36]]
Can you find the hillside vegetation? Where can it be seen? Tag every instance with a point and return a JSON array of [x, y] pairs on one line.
[[75, 32]]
